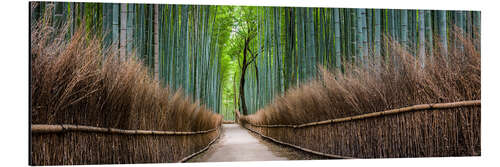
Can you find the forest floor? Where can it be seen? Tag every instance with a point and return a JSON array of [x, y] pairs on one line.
[[238, 144]]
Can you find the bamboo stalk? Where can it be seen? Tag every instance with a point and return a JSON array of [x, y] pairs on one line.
[[43, 128], [419, 107]]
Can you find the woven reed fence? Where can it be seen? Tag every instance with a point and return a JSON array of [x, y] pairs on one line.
[[426, 130], [77, 145]]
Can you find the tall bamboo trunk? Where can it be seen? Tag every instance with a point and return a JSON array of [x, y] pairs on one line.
[[337, 38], [123, 31], [365, 37], [377, 37], [442, 32], [155, 44], [421, 37], [116, 24], [359, 36], [404, 28], [73, 17], [461, 26], [130, 27], [106, 23], [58, 14], [391, 23], [354, 34], [428, 33], [477, 28], [310, 43]]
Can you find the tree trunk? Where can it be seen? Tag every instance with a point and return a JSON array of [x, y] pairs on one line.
[[242, 78]]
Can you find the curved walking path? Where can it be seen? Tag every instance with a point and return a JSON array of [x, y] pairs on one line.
[[238, 144]]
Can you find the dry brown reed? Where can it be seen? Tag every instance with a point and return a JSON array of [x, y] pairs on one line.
[[76, 81], [399, 81]]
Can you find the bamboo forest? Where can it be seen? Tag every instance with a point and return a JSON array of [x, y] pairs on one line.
[[155, 83]]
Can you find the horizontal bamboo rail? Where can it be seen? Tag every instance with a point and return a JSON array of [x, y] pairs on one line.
[[203, 149], [298, 147], [419, 107], [43, 128]]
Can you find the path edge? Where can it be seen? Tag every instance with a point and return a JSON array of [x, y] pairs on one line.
[[298, 147], [203, 149]]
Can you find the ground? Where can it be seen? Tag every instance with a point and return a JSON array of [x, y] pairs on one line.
[[238, 144]]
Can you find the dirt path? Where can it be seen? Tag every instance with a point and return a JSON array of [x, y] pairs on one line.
[[238, 144]]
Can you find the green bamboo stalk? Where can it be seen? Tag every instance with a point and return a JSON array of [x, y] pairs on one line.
[[404, 28], [123, 31], [115, 24], [391, 23], [106, 24], [343, 38], [377, 36], [364, 37], [477, 28], [310, 42], [421, 37], [277, 49], [156, 44], [428, 33], [130, 27], [370, 28], [442, 32], [337, 38], [359, 36]]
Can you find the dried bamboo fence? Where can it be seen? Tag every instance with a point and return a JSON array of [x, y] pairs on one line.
[[426, 130], [77, 145]]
